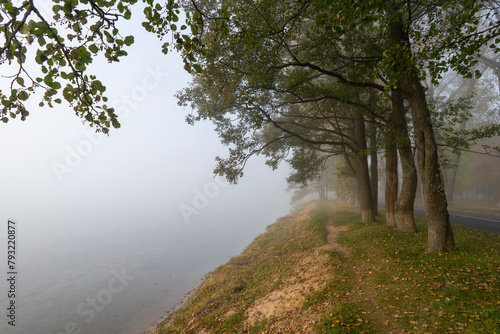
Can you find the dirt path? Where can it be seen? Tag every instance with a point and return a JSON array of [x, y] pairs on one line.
[[312, 274], [333, 233]]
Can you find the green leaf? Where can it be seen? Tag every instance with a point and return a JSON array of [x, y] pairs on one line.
[[23, 96], [48, 80], [41, 40], [194, 29], [93, 48], [198, 68], [97, 85], [24, 29], [129, 40], [148, 12], [447, 5]]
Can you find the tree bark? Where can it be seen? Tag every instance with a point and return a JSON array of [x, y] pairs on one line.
[[440, 235], [404, 204], [373, 165], [419, 183], [322, 189], [391, 178], [361, 165]]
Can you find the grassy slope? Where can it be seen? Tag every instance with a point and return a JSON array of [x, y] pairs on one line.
[[386, 283]]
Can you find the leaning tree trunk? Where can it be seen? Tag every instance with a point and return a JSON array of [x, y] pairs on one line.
[[440, 235], [361, 166], [406, 199]]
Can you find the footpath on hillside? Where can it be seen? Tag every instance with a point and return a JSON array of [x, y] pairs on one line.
[[320, 270]]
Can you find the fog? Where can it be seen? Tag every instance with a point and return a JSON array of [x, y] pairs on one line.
[[142, 202]]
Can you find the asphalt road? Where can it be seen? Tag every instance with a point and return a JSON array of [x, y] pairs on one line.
[[474, 220]]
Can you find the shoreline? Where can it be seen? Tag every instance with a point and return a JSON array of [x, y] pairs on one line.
[[321, 269], [170, 314], [188, 296]]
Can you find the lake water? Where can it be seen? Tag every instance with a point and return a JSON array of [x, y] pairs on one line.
[[99, 274]]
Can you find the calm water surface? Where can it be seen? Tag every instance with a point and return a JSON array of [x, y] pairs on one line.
[[121, 276]]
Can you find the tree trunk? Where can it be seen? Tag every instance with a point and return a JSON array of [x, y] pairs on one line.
[[373, 165], [320, 186], [440, 235], [352, 199], [391, 178], [324, 181], [419, 184], [406, 199], [361, 165]]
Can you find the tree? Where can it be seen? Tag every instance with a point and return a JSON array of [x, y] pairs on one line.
[[313, 173], [403, 204], [449, 38], [373, 149], [404, 66], [62, 45], [242, 89], [344, 181]]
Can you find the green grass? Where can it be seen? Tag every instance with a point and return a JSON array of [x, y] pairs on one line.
[[388, 283], [411, 290]]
